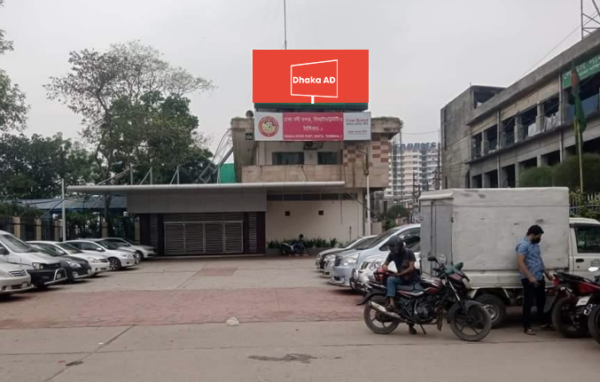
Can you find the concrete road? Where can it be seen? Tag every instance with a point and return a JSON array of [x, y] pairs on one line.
[[166, 322]]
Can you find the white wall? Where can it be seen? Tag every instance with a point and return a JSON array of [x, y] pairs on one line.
[[342, 220]]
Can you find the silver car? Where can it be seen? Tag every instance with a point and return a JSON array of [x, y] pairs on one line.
[[320, 258]]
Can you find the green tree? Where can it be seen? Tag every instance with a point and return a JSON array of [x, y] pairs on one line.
[[397, 211], [537, 177], [126, 84], [30, 167], [13, 109], [567, 173]]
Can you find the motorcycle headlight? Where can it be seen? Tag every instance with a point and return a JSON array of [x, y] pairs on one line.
[[73, 264], [375, 265], [37, 265], [350, 260]]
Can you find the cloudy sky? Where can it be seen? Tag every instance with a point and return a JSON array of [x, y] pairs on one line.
[[423, 53]]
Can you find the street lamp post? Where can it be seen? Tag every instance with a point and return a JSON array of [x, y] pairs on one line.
[[368, 228]]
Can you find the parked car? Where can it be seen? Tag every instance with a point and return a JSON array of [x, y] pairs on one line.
[[347, 263], [98, 262], [77, 269], [43, 269], [109, 245], [117, 258], [13, 279], [143, 251], [320, 259]]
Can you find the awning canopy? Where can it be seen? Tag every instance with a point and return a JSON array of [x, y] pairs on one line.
[[208, 188]]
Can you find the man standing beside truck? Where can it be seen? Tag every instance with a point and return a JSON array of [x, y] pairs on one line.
[[531, 266]]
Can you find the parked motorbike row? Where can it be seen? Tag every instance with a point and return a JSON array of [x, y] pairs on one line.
[[40, 264], [573, 300]]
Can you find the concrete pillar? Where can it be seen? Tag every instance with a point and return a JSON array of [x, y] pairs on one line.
[[104, 229], [136, 226], [485, 182], [540, 120], [16, 226], [518, 127], [38, 229], [542, 161], [57, 230], [517, 173]]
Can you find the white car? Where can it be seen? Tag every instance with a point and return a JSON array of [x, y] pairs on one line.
[[117, 258], [13, 279], [112, 246], [320, 259], [143, 251], [98, 262]]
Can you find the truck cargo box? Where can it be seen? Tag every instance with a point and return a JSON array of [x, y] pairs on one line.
[[482, 227]]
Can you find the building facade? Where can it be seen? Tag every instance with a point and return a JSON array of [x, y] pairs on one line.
[[297, 172], [491, 135], [414, 168]]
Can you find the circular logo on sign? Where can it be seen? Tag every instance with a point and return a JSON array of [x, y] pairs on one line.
[[268, 126]]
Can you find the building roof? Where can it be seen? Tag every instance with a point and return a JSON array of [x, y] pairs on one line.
[[552, 69], [198, 188], [72, 204]]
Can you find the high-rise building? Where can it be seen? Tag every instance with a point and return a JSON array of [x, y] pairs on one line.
[[413, 169]]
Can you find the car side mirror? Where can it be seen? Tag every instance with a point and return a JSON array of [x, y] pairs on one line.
[[99, 250], [384, 248], [431, 258], [3, 251]]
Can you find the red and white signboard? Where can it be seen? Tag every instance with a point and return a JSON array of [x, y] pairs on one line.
[[316, 76], [312, 126]]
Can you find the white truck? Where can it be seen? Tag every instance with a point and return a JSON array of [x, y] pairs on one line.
[[482, 228]]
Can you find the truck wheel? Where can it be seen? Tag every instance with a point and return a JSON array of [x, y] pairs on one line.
[[563, 321], [495, 308], [594, 323]]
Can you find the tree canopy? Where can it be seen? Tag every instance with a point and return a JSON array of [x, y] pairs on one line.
[[13, 109], [133, 107], [537, 177]]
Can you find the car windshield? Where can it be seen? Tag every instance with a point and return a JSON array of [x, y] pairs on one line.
[[46, 250], [69, 248], [120, 242], [367, 243], [107, 244], [15, 244], [376, 240]]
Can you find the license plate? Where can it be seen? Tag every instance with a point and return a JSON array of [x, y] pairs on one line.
[[583, 301]]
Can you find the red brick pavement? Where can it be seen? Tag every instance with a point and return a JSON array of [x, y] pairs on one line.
[[53, 310]]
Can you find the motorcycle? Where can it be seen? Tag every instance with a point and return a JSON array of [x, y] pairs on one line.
[[428, 302], [592, 310], [570, 314], [292, 249]]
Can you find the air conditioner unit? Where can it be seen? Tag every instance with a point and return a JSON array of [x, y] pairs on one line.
[[313, 145]]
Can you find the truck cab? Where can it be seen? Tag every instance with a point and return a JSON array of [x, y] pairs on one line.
[[584, 246]]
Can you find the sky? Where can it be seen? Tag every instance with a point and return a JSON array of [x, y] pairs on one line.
[[423, 53]]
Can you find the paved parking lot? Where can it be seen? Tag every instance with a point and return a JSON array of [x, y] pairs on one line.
[[166, 321]]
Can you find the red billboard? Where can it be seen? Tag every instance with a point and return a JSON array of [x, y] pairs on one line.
[[316, 76]]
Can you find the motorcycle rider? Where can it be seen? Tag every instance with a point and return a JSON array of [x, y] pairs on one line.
[[299, 244], [406, 274]]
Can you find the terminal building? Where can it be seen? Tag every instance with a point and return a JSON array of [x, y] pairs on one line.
[[297, 171]]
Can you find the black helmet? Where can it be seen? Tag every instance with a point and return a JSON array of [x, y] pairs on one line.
[[395, 243]]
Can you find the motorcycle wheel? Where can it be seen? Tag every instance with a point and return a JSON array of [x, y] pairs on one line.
[[372, 316], [473, 326], [594, 323], [562, 321]]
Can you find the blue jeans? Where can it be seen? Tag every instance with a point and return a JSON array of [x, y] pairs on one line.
[[392, 284]]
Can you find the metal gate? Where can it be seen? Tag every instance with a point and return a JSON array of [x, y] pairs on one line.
[[197, 234]]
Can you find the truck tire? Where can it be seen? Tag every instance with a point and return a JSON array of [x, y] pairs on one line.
[[594, 323], [563, 323], [495, 307]]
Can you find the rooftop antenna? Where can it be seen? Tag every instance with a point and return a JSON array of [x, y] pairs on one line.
[[591, 17], [285, 24]]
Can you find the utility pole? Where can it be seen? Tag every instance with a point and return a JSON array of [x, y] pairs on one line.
[[591, 16], [63, 170]]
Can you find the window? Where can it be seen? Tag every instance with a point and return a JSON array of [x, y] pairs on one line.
[[15, 244], [321, 213], [328, 157], [287, 213], [285, 159], [588, 239]]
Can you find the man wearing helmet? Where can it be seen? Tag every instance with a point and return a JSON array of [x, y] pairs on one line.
[[404, 259]]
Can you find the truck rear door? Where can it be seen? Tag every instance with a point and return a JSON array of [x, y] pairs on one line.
[[586, 249]]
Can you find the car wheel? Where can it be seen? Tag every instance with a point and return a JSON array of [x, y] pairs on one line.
[[140, 256], [495, 308], [115, 264]]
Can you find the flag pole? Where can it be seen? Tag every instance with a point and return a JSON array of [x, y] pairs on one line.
[[580, 153]]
